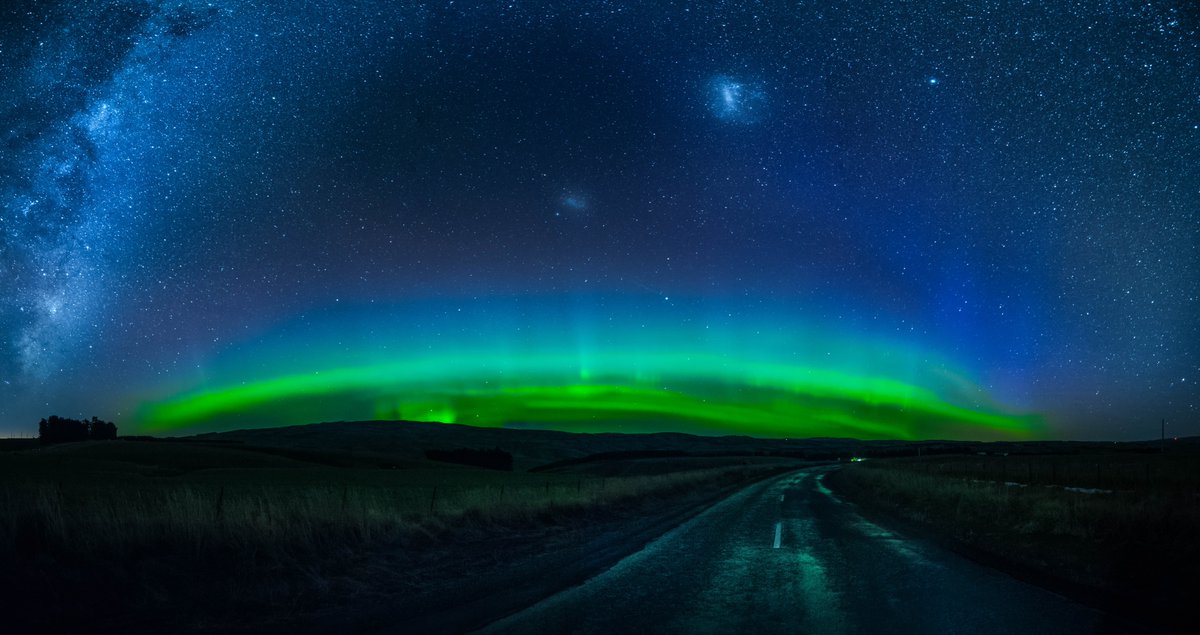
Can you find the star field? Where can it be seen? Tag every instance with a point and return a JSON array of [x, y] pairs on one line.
[[993, 204]]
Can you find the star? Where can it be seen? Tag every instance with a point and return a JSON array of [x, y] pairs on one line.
[[182, 180]]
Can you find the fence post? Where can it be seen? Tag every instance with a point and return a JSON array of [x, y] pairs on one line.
[[433, 499]]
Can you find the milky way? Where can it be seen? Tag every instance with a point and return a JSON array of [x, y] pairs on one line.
[[994, 207]]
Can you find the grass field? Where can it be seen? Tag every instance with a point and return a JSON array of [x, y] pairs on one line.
[[1124, 525], [164, 535], [116, 498], [184, 531]]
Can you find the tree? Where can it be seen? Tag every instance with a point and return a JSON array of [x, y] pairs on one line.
[[62, 430], [102, 430]]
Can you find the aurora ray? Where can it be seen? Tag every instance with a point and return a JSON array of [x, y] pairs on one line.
[[623, 380]]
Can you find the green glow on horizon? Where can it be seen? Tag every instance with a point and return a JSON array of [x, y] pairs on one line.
[[642, 391]]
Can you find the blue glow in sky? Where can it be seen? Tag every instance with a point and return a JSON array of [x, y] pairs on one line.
[[1011, 192]]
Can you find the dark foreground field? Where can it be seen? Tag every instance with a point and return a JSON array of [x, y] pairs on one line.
[[351, 527], [1116, 530], [157, 536]]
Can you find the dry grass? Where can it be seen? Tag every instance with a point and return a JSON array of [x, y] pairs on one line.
[[137, 536], [133, 539], [1033, 509], [1124, 525], [1131, 472], [102, 519]]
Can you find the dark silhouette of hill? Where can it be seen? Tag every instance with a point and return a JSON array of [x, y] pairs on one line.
[[410, 440]]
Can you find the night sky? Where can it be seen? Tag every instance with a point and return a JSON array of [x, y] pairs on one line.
[[873, 219]]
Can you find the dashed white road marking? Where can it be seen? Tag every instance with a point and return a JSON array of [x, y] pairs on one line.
[[778, 533], [781, 498]]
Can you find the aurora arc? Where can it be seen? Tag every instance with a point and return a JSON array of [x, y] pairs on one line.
[[613, 391]]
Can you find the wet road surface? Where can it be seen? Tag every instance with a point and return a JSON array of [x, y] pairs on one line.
[[787, 555]]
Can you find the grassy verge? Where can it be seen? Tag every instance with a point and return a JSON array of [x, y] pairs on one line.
[[82, 519], [104, 537], [1119, 529]]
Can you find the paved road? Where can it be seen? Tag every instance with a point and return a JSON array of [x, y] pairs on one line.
[[786, 555]]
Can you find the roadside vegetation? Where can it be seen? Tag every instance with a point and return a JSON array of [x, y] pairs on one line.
[[184, 531], [1118, 528], [239, 512]]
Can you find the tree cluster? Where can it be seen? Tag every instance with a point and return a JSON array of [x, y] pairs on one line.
[[61, 430]]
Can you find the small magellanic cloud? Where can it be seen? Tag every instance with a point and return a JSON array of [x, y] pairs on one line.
[[576, 202]]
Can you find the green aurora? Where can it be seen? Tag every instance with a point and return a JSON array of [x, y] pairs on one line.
[[644, 391]]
